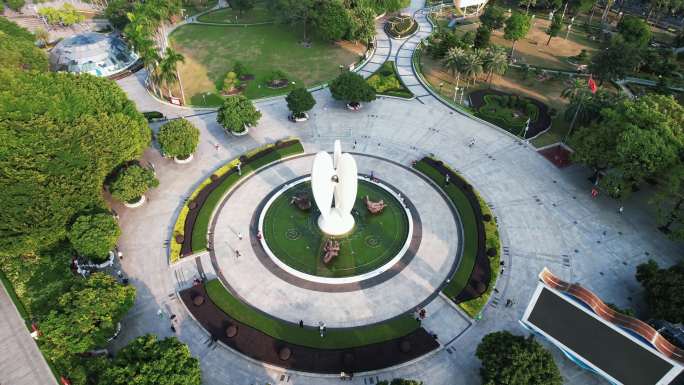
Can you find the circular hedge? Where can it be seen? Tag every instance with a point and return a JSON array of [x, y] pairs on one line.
[[178, 138], [132, 183]]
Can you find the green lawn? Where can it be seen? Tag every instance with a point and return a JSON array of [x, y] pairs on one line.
[[259, 14], [195, 7], [309, 336], [386, 81], [211, 51], [199, 231], [294, 237]]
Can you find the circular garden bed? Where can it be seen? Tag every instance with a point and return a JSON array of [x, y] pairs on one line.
[[511, 112], [399, 27]]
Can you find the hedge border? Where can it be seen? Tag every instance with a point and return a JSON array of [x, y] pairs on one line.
[[215, 186]]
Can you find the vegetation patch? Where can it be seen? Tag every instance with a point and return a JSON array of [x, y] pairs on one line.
[[386, 81], [472, 283], [400, 27], [511, 112]]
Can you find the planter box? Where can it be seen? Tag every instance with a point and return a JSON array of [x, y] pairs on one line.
[[136, 204], [183, 161], [295, 119], [243, 133]]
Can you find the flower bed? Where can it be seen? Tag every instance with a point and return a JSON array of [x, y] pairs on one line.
[[473, 281], [193, 220], [385, 81], [400, 27]]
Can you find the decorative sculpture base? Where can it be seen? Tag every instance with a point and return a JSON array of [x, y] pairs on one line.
[[336, 225]]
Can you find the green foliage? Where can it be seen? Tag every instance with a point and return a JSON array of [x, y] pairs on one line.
[[441, 42], [493, 17], [401, 26], [242, 5], [300, 100], [117, 12], [67, 15], [626, 311], [663, 290], [591, 104], [94, 235], [382, 6], [236, 112], [352, 87], [85, 317], [634, 30], [19, 51], [131, 183], [517, 26], [150, 361], [231, 82], [635, 140], [362, 24], [386, 81], [87, 128], [240, 69], [616, 61], [482, 37], [15, 5], [509, 112], [275, 76], [331, 19], [555, 27], [515, 360], [669, 201], [178, 138]]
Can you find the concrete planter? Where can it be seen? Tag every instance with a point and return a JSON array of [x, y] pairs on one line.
[[183, 161], [243, 133], [139, 203]]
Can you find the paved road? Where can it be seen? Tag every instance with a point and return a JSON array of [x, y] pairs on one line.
[[21, 363], [547, 218]]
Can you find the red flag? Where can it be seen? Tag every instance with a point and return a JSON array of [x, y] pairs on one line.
[[592, 85]]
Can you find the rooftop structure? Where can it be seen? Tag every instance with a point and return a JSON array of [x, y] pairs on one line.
[[94, 53]]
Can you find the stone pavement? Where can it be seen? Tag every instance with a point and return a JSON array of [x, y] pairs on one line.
[[546, 218], [21, 362]]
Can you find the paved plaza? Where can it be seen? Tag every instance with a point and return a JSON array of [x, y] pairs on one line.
[[546, 216]]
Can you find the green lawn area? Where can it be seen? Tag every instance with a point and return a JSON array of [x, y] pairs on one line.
[[194, 7], [199, 232], [294, 237], [259, 14], [468, 220], [308, 336], [386, 81], [211, 51]]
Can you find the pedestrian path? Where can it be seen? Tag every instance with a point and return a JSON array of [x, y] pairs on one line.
[[383, 50], [404, 55]]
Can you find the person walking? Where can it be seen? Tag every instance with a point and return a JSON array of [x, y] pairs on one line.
[[216, 146], [239, 235], [237, 254]]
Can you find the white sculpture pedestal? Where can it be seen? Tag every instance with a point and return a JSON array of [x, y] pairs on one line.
[[336, 224]]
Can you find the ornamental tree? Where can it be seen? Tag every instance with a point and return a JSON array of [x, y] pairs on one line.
[[299, 101], [635, 31], [555, 27], [242, 5], [331, 19], [493, 17], [236, 113], [85, 316], [482, 37], [352, 87], [664, 288], [132, 183], [516, 28], [94, 236], [150, 361], [362, 24], [178, 138], [515, 360]]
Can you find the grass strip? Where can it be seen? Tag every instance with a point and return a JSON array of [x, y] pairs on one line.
[[308, 336]]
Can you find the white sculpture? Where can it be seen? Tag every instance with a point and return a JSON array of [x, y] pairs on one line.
[[334, 178]]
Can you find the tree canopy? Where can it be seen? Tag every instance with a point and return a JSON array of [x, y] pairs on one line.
[[18, 48], [362, 24], [615, 61], [242, 5], [634, 30], [331, 19], [236, 112], [493, 17], [555, 27], [150, 361], [94, 235], [352, 87], [517, 26], [516, 360], [62, 134], [664, 288], [300, 100], [178, 138], [131, 183]]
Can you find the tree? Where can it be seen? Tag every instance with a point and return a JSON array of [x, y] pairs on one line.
[[615, 61], [178, 138], [299, 101], [132, 183], [85, 317], [117, 12], [669, 200], [242, 5], [495, 62], [295, 12], [482, 36], [516, 28], [362, 24], [94, 235], [634, 31], [352, 87], [515, 360], [15, 5], [471, 67], [87, 128], [635, 139], [663, 290], [453, 61], [493, 17], [236, 113], [168, 70], [150, 361], [18, 48], [527, 4], [555, 27], [331, 19]]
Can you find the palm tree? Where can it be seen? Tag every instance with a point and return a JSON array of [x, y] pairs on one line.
[[472, 64], [453, 61], [495, 62], [572, 88], [168, 70]]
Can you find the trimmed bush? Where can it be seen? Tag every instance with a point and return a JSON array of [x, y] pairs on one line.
[[178, 138], [93, 236], [300, 100], [352, 87], [236, 113], [132, 183]]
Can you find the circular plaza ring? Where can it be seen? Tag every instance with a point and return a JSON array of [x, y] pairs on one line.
[[361, 256]]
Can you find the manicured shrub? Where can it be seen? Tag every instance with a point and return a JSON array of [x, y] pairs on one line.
[[300, 100], [93, 236], [352, 87], [236, 113], [15, 4], [486, 217], [132, 183], [491, 252], [178, 138]]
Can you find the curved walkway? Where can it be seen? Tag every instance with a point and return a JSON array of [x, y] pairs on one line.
[[546, 218]]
